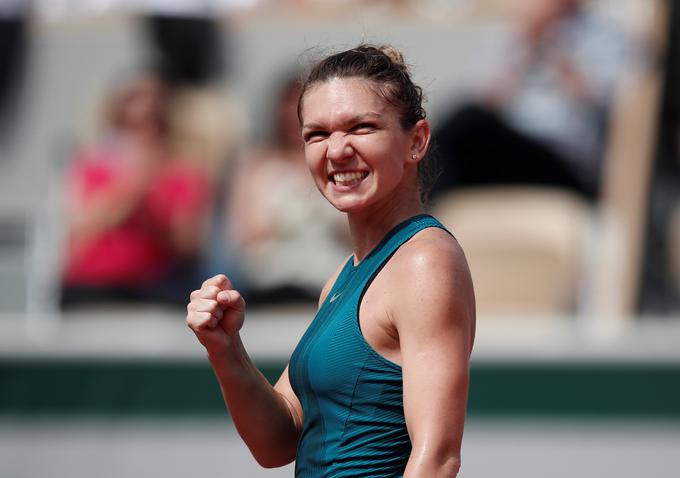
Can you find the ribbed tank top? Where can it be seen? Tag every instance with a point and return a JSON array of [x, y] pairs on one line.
[[351, 396]]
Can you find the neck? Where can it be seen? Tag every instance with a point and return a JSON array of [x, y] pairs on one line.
[[367, 228]]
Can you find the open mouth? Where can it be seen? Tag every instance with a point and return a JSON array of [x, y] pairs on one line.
[[348, 178]]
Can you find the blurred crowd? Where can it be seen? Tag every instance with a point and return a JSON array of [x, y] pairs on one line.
[[167, 194], [171, 189]]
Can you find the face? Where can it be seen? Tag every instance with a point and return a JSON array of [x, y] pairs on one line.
[[355, 147], [142, 104]]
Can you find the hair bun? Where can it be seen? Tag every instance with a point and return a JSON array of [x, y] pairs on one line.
[[393, 54]]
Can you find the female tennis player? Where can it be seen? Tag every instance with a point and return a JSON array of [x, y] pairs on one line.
[[378, 385]]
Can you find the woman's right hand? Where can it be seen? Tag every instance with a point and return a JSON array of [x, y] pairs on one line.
[[215, 314]]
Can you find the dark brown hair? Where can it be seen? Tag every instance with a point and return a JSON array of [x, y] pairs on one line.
[[384, 67]]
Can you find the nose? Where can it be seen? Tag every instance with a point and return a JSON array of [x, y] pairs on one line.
[[339, 147]]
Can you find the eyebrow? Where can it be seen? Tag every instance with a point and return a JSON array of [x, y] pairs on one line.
[[353, 119]]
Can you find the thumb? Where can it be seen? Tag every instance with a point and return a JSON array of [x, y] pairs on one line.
[[234, 307], [231, 299]]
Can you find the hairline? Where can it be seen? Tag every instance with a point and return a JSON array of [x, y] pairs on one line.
[[374, 85]]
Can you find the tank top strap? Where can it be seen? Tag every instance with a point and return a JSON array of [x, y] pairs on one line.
[[378, 257], [356, 278]]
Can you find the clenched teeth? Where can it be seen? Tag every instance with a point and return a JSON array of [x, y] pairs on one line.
[[348, 178]]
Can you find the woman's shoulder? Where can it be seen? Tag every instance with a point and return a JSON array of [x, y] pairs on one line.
[[430, 246], [432, 261], [428, 277]]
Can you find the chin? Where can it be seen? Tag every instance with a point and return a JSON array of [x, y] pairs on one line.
[[345, 206], [350, 205]]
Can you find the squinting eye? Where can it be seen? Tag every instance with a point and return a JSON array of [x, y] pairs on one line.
[[363, 128], [314, 136]]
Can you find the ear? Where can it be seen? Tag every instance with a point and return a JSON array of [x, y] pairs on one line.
[[420, 139]]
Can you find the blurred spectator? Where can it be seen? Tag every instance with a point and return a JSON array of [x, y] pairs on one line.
[[189, 44], [136, 211], [543, 118], [186, 49], [277, 216], [13, 46]]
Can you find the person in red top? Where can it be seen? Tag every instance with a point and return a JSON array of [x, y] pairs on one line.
[[136, 213]]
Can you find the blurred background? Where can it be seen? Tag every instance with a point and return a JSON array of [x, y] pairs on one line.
[[148, 144]]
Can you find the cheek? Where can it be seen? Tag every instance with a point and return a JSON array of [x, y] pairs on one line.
[[379, 147], [383, 157], [314, 160]]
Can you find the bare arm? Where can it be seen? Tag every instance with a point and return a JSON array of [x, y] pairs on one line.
[[269, 419], [435, 322]]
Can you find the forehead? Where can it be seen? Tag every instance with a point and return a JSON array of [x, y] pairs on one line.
[[339, 97]]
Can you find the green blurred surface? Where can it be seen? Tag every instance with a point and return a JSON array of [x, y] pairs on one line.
[[70, 386]]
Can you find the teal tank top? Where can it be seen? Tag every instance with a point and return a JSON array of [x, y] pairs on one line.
[[351, 396]]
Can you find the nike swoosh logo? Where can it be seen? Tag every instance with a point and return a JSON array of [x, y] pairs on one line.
[[335, 296]]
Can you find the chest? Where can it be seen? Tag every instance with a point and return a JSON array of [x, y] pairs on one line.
[[351, 334]]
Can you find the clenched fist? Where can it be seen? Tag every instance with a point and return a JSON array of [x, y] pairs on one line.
[[215, 313]]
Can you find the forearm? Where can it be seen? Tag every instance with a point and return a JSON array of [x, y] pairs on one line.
[[261, 415]]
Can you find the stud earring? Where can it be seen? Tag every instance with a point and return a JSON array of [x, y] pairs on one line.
[[414, 156]]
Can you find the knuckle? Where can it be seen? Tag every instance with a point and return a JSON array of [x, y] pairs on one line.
[[214, 308], [217, 279], [209, 291], [198, 320], [206, 318]]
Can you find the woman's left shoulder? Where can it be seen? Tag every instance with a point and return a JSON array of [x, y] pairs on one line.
[[430, 279], [431, 251]]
